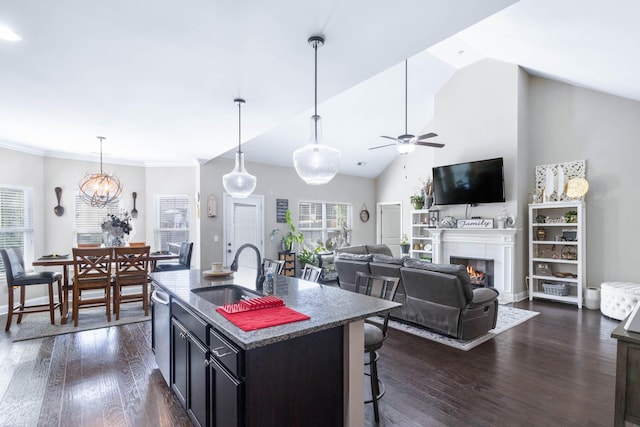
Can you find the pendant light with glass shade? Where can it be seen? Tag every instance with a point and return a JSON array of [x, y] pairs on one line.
[[239, 183], [100, 189], [316, 163]]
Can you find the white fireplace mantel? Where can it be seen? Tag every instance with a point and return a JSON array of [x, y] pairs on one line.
[[498, 244]]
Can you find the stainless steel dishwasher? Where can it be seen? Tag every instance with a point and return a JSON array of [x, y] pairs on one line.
[[160, 331]]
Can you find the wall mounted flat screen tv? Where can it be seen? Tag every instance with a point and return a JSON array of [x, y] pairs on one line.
[[469, 183]]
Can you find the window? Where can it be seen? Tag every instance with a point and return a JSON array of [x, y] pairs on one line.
[[172, 221], [325, 224], [89, 221], [16, 222]]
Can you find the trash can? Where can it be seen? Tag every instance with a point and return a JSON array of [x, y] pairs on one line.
[[592, 299]]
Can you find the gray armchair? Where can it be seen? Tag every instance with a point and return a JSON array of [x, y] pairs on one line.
[[440, 297]]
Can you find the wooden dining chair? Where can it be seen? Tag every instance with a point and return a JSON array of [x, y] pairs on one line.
[[89, 245], [91, 272], [137, 244], [132, 269], [311, 273]]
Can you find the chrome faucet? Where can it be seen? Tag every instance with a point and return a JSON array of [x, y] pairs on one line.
[[259, 269]]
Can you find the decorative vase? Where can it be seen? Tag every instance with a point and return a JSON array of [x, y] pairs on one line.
[[404, 248], [116, 241], [428, 201]]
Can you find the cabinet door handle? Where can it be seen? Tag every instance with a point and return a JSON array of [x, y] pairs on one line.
[[206, 362], [215, 351], [183, 336]]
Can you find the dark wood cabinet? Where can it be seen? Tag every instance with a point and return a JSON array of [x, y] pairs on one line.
[[179, 361], [224, 395], [295, 382], [627, 398], [289, 263]]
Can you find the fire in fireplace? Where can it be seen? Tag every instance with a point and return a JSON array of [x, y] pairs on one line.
[[480, 270]]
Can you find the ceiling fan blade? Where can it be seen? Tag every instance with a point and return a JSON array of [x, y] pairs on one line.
[[427, 135], [388, 137], [430, 144], [381, 146]]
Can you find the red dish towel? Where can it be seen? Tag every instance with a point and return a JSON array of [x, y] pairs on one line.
[[263, 318]]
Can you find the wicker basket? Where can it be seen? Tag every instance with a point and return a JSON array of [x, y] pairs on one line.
[[561, 289]]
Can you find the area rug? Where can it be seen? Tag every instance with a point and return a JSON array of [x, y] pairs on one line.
[[508, 317], [37, 325]]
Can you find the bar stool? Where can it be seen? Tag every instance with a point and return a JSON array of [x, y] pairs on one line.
[[17, 277], [375, 333]]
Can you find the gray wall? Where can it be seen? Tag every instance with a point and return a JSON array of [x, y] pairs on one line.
[[493, 109], [570, 123], [476, 117], [276, 182]]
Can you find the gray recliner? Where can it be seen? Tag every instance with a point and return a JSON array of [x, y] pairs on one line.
[[440, 297]]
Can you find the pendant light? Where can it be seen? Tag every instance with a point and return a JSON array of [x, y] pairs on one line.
[[239, 183], [100, 189], [316, 163]]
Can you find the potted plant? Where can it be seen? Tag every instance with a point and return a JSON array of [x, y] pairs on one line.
[[571, 216], [308, 257], [404, 244], [288, 238], [417, 200]]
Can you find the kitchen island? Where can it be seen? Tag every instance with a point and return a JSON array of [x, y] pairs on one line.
[[303, 373]]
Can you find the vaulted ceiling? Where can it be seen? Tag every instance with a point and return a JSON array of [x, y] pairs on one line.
[[158, 79]]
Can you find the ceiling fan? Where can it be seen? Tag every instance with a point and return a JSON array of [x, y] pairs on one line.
[[407, 143]]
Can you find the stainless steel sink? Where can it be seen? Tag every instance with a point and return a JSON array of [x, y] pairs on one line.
[[225, 294]]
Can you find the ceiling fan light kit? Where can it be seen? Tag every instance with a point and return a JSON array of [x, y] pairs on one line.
[[407, 143], [239, 183], [100, 189], [316, 163]]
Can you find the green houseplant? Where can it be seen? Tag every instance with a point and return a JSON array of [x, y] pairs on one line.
[[289, 237], [417, 200]]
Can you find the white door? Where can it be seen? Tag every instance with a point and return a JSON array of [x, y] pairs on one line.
[[244, 223], [389, 222]]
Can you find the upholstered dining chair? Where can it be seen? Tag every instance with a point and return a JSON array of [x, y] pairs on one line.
[[268, 263], [132, 270], [18, 278], [184, 259], [89, 245], [311, 273], [91, 272], [375, 333]]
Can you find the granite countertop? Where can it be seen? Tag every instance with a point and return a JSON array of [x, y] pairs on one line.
[[327, 306]]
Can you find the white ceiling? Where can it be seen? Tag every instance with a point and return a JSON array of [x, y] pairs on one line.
[[158, 79]]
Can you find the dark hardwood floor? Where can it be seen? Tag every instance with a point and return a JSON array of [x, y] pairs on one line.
[[557, 369]]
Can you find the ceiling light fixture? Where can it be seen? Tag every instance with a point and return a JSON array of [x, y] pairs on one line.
[[239, 183], [316, 163], [100, 189], [8, 34]]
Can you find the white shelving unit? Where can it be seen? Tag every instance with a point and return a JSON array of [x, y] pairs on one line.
[[421, 243], [557, 252]]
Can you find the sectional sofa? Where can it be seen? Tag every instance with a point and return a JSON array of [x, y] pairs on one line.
[[438, 297]]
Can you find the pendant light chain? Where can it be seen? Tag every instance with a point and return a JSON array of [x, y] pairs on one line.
[[315, 87], [101, 138], [239, 124]]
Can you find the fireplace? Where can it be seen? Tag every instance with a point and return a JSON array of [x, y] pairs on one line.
[[481, 270]]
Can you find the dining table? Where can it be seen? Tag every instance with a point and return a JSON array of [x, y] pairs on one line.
[[66, 260]]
